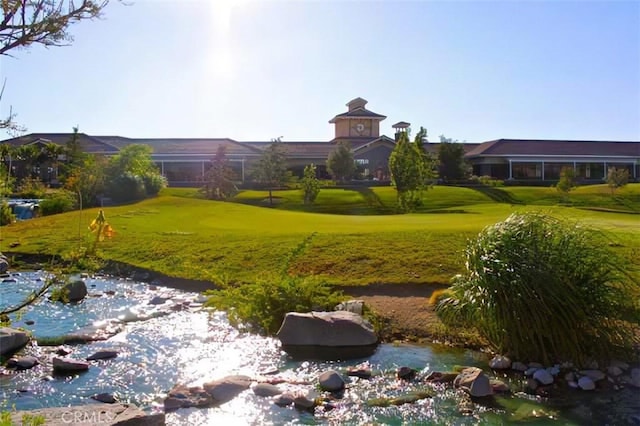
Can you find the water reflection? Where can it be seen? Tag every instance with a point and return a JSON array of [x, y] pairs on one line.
[[193, 346]]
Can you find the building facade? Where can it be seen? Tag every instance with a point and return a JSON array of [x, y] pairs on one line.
[[185, 161]]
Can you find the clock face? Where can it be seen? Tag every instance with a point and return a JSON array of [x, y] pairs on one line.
[[360, 127]]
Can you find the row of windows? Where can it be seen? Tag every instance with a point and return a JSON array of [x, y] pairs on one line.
[[550, 171]]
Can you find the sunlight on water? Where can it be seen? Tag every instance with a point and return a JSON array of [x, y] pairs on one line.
[[177, 342]]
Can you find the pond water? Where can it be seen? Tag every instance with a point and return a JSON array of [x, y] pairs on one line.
[[197, 345]]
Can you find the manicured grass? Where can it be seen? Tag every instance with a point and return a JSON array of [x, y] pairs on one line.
[[199, 239], [626, 198], [330, 200], [436, 197]]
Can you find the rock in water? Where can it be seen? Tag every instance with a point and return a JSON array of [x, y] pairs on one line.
[[474, 381], [227, 388], [327, 335], [69, 365], [75, 290], [11, 340], [107, 354], [331, 381]]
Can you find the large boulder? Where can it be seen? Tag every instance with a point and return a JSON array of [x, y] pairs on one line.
[[327, 335], [75, 291], [11, 340]]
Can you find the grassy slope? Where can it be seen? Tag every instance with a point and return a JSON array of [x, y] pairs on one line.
[[199, 239]]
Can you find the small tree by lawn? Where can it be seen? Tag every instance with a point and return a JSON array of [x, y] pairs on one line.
[[341, 164], [74, 155], [310, 184], [87, 180], [567, 182], [451, 162], [132, 174], [219, 178], [271, 169], [617, 178], [410, 168]]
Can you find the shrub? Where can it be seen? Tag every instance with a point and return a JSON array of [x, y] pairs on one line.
[[261, 306], [127, 187], [59, 202], [153, 183], [541, 288], [490, 181], [6, 215], [31, 188]]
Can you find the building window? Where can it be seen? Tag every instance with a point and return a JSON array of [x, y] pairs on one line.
[[362, 161]]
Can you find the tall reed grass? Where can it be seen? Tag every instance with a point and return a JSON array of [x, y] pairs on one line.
[[540, 288]]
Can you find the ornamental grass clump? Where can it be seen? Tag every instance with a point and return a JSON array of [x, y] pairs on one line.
[[540, 288]]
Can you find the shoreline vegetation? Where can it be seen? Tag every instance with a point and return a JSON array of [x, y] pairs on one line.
[[392, 262]]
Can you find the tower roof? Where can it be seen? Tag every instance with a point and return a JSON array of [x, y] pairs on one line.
[[356, 103], [401, 125], [357, 110]]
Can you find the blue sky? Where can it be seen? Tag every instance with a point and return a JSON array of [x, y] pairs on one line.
[[255, 70]]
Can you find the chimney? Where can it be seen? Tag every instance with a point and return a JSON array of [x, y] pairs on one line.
[[400, 128]]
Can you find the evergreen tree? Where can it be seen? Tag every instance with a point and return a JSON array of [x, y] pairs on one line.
[[410, 169], [310, 184], [271, 169], [341, 164], [218, 180], [74, 155], [566, 182], [451, 162]]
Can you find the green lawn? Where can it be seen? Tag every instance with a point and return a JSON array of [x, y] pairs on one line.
[[626, 198], [184, 236]]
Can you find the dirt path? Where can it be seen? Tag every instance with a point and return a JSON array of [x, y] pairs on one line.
[[403, 308]]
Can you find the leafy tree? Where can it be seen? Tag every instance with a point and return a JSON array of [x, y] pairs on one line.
[[134, 159], [28, 157], [567, 181], [218, 180], [44, 22], [451, 162], [341, 164], [410, 170], [271, 169], [128, 171], [310, 184], [617, 178], [88, 180]]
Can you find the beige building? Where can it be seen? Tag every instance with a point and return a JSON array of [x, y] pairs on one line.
[[185, 161]]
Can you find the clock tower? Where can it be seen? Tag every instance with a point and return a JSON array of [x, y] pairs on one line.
[[357, 122]]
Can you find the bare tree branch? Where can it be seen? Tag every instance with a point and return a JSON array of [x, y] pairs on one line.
[[46, 22]]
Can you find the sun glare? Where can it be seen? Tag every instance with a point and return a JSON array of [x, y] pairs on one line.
[[220, 59]]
